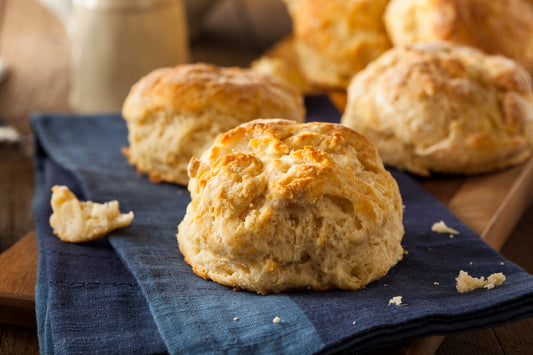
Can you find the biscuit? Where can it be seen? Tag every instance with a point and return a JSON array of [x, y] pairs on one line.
[[445, 108], [337, 38], [278, 205], [175, 113], [279, 68], [77, 221], [496, 27]]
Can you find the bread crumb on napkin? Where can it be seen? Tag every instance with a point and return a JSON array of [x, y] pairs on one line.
[[276, 319], [467, 283], [77, 221], [441, 227], [397, 301]]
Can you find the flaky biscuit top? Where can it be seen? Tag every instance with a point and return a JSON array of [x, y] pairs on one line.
[[295, 164], [195, 88]]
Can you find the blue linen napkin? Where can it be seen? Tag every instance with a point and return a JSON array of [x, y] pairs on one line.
[[86, 299], [146, 299]]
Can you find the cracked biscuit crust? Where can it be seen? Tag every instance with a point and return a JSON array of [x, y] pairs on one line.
[[278, 205], [446, 108]]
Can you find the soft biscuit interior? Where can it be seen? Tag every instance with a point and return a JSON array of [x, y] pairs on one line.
[[81, 221]]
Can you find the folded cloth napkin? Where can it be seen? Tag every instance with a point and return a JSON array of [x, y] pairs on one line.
[[132, 291], [86, 299]]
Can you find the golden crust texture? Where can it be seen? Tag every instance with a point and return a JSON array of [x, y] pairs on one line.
[[335, 39], [278, 205], [444, 108], [175, 113], [77, 221], [502, 27]]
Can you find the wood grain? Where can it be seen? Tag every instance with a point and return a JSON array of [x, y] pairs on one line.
[[16, 191], [17, 284], [17, 340]]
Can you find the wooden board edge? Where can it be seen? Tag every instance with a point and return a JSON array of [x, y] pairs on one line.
[[17, 294], [17, 310], [424, 346], [510, 209]]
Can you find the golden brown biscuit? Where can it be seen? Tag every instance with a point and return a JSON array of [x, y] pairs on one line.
[[444, 108], [335, 39], [175, 113], [496, 27], [278, 205], [76, 222]]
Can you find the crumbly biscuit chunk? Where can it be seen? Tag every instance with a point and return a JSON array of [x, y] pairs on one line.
[[467, 283], [77, 221], [441, 227]]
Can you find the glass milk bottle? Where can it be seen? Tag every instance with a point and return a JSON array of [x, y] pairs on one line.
[[116, 42]]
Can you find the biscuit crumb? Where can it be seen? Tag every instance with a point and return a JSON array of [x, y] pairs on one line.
[[436, 283], [77, 221], [236, 318], [353, 322], [467, 283], [405, 252], [441, 227], [276, 319], [397, 301]]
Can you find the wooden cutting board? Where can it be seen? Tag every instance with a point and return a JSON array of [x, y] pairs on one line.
[[490, 204]]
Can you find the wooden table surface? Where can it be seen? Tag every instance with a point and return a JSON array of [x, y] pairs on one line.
[[37, 49]]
